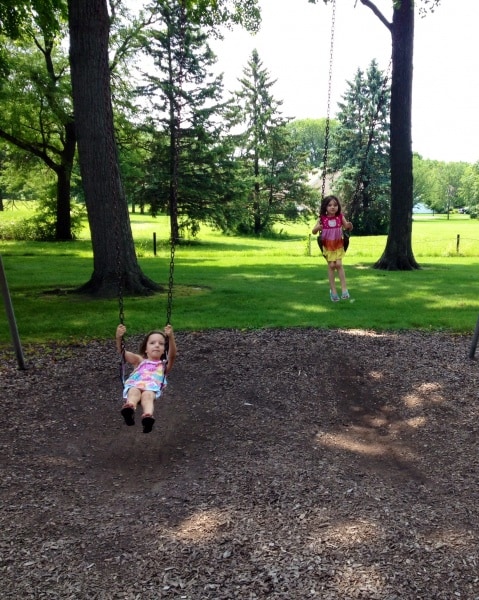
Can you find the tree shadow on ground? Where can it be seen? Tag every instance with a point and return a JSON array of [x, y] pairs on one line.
[[283, 464]]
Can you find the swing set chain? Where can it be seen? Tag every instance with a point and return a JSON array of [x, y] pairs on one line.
[[328, 110], [169, 303], [119, 262], [173, 217], [121, 307], [119, 268], [176, 163]]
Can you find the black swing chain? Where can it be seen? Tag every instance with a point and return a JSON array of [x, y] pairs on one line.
[[372, 127], [173, 216], [328, 110], [121, 309], [112, 156], [175, 174], [169, 304]]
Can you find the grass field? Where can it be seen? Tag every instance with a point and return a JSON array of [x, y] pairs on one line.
[[245, 283]]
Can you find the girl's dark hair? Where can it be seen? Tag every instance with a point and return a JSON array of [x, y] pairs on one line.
[[326, 201], [144, 342]]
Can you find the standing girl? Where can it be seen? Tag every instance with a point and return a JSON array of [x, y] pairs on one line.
[[330, 225], [151, 366]]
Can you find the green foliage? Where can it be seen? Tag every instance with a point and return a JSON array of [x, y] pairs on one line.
[[445, 186], [246, 13], [42, 225], [360, 151], [36, 100], [17, 16], [309, 136], [275, 167], [185, 125], [468, 189], [36, 121]]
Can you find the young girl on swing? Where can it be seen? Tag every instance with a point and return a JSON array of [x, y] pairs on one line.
[[151, 366], [330, 225]]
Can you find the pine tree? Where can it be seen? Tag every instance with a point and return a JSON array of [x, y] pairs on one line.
[[187, 171], [275, 169], [360, 151]]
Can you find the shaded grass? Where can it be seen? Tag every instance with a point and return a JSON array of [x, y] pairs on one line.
[[243, 283]]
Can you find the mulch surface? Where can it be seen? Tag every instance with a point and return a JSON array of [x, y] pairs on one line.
[[283, 464]]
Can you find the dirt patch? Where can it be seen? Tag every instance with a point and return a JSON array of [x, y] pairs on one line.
[[284, 464]]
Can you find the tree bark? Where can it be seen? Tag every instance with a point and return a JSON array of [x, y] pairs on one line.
[[398, 254], [62, 169], [115, 265], [63, 230]]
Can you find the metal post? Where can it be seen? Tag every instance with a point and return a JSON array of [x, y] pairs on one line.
[[11, 317], [154, 243], [475, 339]]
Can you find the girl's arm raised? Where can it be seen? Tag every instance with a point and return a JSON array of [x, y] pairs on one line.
[[317, 228], [130, 357], [347, 224]]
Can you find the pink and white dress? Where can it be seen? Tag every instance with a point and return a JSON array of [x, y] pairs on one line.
[[332, 237]]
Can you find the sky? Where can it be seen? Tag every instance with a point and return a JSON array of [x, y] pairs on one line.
[[294, 46]]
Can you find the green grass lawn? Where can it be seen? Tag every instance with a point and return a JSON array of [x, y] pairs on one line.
[[244, 283]]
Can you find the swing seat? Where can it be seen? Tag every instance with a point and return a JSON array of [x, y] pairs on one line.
[[320, 243], [346, 236]]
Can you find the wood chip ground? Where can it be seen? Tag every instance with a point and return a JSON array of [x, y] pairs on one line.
[[284, 464]]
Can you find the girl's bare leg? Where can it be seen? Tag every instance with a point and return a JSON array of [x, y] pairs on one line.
[[129, 407], [134, 397], [342, 276], [332, 276], [148, 403]]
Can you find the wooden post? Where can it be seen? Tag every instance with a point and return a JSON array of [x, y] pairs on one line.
[[11, 317], [154, 243]]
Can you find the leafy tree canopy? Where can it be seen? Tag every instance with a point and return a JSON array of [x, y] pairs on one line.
[[225, 12], [16, 16]]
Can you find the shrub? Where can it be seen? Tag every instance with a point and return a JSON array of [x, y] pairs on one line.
[[41, 227]]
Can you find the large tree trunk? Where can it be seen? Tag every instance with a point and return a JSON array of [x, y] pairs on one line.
[[115, 265], [398, 253], [63, 230]]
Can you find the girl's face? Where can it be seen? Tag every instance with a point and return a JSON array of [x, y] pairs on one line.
[[332, 207], [155, 346]]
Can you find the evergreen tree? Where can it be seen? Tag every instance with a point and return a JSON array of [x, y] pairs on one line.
[[187, 172], [360, 151], [274, 167]]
